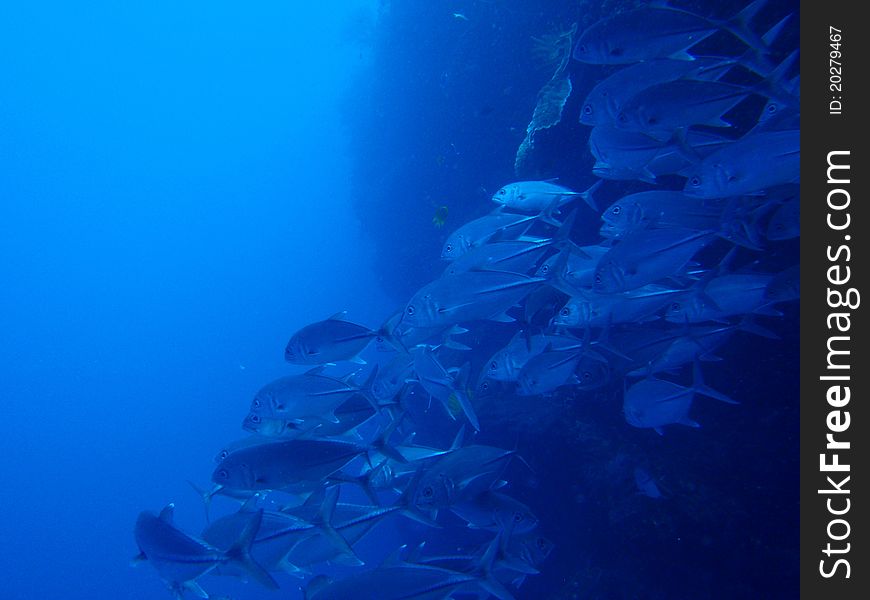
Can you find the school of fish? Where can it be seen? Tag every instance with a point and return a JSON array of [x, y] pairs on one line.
[[637, 309]]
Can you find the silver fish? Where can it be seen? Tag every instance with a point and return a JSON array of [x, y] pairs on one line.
[[349, 415], [328, 341], [661, 109], [517, 256], [575, 273], [468, 296], [647, 256], [495, 511], [181, 559], [479, 231], [605, 101], [459, 475], [749, 166], [623, 155], [723, 296], [309, 399], [541, 197], [280, 464], [600, 310], [653, 32], [549, 370], [654, 403], [660, 209]]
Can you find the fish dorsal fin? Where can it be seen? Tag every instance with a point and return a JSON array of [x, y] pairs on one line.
[[339, 316], [415, 554], [167, 512], [316, 498], [316, 370], [194, 588], [250, 505], [394, 559]]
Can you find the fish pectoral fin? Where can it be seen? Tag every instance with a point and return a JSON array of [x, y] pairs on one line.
[[681, 55], [193, 587]]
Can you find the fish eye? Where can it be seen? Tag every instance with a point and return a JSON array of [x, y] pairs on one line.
[[223, 454], [545, 268], [771, 108], [565, 312], [502, 192], [616, 210], [695, 181], [449, 247], [587, 109], [518, 517], [493, 365], [675, 306], [428, 492], [622, 118], [597, 278], [484, 386], [541, 543], [255, 418], [582, 48], [257, 403], [223, 474], [410, 310]]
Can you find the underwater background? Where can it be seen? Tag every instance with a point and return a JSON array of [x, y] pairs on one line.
[[185, 185]]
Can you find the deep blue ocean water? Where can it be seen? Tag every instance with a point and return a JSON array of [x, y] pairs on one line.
[[184, 185]]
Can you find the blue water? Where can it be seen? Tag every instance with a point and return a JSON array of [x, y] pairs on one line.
[[183, 185]]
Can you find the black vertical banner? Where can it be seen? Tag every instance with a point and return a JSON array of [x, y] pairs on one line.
[[835, 365]]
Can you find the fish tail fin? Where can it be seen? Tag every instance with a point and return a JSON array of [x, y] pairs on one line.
[[773, 33], [563, 234], [756, 58], [382, 443], [484, 570], [240, 552], [739, 25], [589, 196], [701, 388], [206, 496], [324, 524]]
